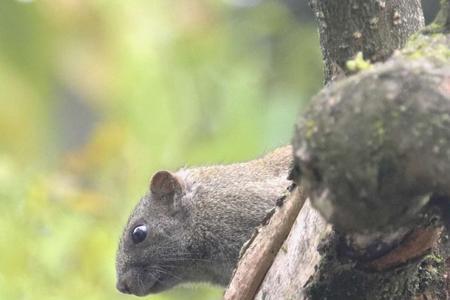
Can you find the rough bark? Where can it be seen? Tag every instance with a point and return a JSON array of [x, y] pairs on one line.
[[373, 154], [295, 264], [375, 28], [263, 248], [387, 167], [302, 13]]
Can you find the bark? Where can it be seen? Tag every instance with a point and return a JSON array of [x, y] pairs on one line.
[[387, 167], [373, 154], [296, 262], [376, 28], [258, 257], [381, 176], [300, 10]]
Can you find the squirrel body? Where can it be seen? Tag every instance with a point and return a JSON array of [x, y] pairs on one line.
[[191, 224]]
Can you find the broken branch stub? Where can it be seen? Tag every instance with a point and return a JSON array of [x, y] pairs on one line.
[[374, 147]]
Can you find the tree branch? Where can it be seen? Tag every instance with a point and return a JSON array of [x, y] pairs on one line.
[[371, 152], [296, 264], [443, 18], [373, 148], [258, 257]]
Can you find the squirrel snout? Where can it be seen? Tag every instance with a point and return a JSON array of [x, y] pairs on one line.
[[123, 287]]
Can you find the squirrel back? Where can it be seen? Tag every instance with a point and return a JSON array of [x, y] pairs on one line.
[[192, 223]]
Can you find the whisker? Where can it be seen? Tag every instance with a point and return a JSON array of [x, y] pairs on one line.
[[162, 270]]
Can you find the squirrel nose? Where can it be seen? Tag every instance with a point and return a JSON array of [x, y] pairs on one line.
[[123, 287]]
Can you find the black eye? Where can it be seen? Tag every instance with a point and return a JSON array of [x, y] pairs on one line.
[[139, 233]]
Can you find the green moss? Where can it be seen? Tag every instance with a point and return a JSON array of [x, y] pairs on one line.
[[434, 27], [433, 46], [379, 130], [311, 127], [358, 63], [434, 258]]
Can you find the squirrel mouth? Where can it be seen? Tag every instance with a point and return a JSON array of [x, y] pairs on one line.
[[144, 284], [158, 283], [142, 281]]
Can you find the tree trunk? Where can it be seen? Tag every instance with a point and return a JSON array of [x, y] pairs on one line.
[[376, 28], [373, 155]]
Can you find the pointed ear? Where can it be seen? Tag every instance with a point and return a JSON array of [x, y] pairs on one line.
[[164, 183]]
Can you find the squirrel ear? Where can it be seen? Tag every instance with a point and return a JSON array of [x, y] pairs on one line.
[[164, 183]]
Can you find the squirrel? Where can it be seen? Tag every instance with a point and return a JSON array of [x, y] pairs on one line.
[[191, 224]]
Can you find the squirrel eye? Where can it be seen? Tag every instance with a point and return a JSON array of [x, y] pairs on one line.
[[139, 233]]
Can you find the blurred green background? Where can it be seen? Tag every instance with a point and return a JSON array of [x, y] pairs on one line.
[[98, 95]]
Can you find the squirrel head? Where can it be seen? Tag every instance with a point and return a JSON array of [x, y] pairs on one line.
[[155, 244]]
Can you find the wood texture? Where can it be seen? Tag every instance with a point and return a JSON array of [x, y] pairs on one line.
[[258, 257], [297, 259], [376, 28]]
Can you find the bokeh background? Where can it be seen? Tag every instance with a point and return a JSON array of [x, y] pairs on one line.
[[95, 96]]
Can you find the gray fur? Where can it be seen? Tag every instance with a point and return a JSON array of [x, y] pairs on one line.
[[195, 234]]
